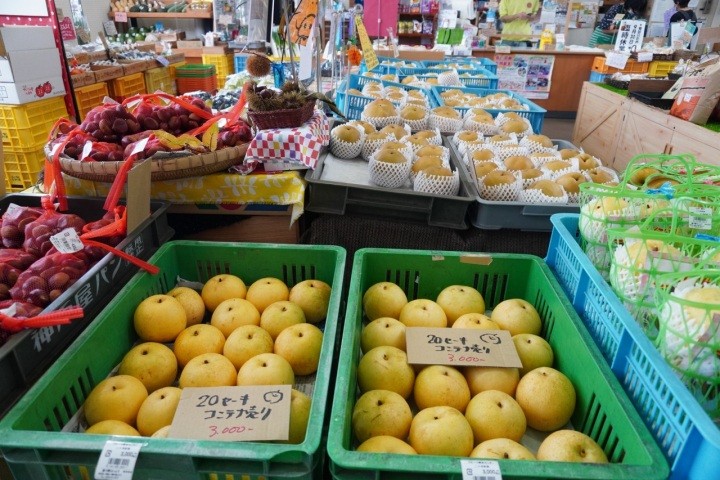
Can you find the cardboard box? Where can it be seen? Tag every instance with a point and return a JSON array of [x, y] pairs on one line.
[[104, 73], [171, 36], [413, 54], [175, 57], [97, 56], [134, 66], [18, 66], [217, 50], [25, 38], [189, 43], [82, 79], [18, 93]]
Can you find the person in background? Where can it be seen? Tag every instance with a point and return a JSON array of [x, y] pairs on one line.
[[683, 13], [604, 33], [517, 17], [666, 17]]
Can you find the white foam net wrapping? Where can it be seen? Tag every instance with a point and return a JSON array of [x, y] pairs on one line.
[[380, 122], [532, 195], [512, 141], [370, 146], [413, 174], [610, 172], [529, 181], [389, 175], [506, 151], [456, 136], [539, 159], [417, 124], [342, 149], [508, 192], [437, 184], [471, 123], [502, 118], [573, 167], [535, 147], [449, 78], [445, 124]]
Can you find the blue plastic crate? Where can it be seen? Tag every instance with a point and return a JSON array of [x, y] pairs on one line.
[[476, 62], [484, 79], [352, 105], [596, 77], [535, 114], [240, 61], [684, 431]]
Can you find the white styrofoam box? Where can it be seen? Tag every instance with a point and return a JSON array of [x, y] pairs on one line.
[[18, 93], [25, 38], [18, 66]]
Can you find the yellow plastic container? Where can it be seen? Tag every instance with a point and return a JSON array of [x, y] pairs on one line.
[[159, 79], [660, 68], [27, 126], [224, 65], [22, 167], [127, 86], [89, 97]]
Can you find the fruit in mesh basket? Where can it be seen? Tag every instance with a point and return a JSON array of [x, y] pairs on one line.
[[498, 177], [38, 232], [514, 126], [541, 139], [18, 309], [380, 108], [587, 161], [116, 398], [425, 162], [47, 278], [346, 133], [495, 414], [390, 155], [368, 127], [483, 168], [571, 446], [502, 448], [548, 188], [173, 118], [110, 123], [441, 431], [518, 162], [398, 131], [568, 153], [14, 221]]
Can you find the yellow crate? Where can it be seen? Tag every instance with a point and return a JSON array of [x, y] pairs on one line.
[[660, 68], [27, 126], [224, 65], [127, 86], [22, 167], [632, 66], [89, 97], [159, 79]]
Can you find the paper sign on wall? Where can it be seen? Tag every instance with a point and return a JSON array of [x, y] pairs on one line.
[[247, 413], [371, 60], [630, 35], [616, 60], [461, 346]]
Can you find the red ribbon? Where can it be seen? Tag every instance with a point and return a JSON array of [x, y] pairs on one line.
[[58, 317]]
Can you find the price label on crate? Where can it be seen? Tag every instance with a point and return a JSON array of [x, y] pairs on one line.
[[67, 241], [480, 470], [461, 346], [246, 413], [162, 60], [700, 218], [117, 461]]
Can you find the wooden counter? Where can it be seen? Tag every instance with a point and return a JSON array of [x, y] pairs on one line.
[[615, 128], [570, 70]]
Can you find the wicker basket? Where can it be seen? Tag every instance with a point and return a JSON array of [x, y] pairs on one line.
[[289, 118], [165, 169]]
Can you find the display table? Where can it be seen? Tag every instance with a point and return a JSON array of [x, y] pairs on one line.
[[570, 70], [231, 190], [615, 128]]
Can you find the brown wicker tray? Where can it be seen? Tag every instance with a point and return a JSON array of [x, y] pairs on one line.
[[289, 118], [166, 169]]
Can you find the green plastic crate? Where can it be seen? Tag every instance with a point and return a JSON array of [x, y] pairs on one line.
[[603, 410], [30, 436]]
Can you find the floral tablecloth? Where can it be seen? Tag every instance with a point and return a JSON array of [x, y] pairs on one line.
[[282, 188]]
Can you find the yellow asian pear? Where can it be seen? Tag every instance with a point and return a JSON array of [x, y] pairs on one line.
[[112, 427], [382, 331], [457, 300], [570, 446], [480, 379], [475, 320], [423, 312], [386, 368], [502, 448], [495, 414], [208, 370], [300, 345], [116, 398], [266, 369], [386, 444], [268, 290], [441, 385], [196, 340], [534, 351], [517, 316], [384, 299], [441, 431], [233, 313], [280, 315], [547, 397], [313, 296], [158, 410], [220, 288], [191, 301], [152, 363], [300, 405], [245, 342], [159, 318], [381, 412]]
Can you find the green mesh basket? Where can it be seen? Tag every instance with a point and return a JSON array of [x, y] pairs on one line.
[[625, 205], [689, 316], [670, 240]]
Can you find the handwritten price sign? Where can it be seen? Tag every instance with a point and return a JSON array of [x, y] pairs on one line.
[[461, 346], [248, 413]]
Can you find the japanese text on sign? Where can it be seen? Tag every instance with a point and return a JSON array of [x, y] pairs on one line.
[[630, 35], [459, 346], [233, 413], [117, 461], [371, 60]]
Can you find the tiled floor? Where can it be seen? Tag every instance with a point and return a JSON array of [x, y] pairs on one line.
[[558, 128]]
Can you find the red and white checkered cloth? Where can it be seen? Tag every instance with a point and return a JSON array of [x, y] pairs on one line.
[[295, 147]]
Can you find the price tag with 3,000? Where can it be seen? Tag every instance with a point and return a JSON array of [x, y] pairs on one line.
[[480, 470], [117, 461]]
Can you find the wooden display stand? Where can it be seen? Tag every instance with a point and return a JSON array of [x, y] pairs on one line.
[[616, 128]]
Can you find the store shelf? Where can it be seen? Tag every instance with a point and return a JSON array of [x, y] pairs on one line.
[[203, 14], [416, 35]]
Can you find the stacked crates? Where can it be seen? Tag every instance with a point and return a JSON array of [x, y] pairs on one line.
[[159, 79], [127, 86], [172, 68], [25, 131], [224, 65], [89, 97], [196, 76]]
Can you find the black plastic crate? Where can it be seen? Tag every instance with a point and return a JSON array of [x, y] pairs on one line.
[[27, 354], [653, 99]]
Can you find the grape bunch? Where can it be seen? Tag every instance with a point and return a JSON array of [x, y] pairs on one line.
[[110, 123]]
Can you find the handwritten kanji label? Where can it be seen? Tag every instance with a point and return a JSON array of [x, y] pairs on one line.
[[461, 346], [480, 470], [371, 60], [120, 17], [247, 413], [67, 241], [117, 461]]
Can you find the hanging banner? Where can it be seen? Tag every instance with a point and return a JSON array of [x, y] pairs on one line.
[[528, 75], [369, 56], [67, 30], [302, 21]]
